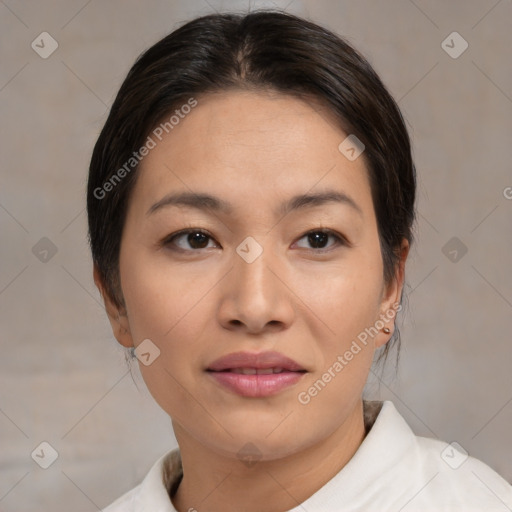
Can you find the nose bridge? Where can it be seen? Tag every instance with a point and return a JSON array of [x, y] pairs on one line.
[[254, 296], [253, 279]]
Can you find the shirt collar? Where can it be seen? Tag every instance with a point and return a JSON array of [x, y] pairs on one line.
[[388, 439], [385, 445]]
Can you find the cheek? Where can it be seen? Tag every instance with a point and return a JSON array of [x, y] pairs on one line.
[[162, 306], [160, 297], [344, 297], [344, 309], [170, 306]]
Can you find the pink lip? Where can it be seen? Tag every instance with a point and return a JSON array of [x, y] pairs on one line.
[[257, 385]]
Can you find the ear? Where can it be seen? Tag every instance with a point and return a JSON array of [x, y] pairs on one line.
[[116, 315], [391, 295]]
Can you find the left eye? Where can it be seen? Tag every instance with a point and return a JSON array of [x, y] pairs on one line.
[[320, 239]]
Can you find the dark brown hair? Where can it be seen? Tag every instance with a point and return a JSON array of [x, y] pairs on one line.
[[261, 50]]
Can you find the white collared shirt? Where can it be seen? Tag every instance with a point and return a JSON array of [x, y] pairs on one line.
[[393, 470]]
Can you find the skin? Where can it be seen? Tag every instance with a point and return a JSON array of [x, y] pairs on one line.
[[254, 150]]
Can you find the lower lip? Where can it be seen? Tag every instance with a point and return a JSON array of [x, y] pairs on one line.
[[257, 385]]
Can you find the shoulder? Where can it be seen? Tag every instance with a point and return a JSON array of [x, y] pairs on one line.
[[458, 478], [153, 492], [444, 475], [126, 503]]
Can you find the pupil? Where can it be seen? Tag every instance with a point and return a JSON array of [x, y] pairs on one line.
[[318, 240], [197, 240]]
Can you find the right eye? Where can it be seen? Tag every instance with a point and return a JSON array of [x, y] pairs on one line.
[[188, 240]]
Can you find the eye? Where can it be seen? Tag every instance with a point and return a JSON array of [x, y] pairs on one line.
[[197, 239], [319, 239], [188, 239]]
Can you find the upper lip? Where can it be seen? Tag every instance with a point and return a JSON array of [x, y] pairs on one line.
[[261, 360]]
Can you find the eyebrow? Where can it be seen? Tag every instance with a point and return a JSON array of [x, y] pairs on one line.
[[202, 201]]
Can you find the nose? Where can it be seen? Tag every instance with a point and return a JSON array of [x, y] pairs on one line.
[[255, 297]]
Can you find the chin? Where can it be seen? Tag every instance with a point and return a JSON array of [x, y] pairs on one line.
[[254, 444]]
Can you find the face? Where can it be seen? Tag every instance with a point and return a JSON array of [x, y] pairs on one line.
[[283, 256]]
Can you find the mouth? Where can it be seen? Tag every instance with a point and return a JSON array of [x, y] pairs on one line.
[[258, 371], [256, 375]]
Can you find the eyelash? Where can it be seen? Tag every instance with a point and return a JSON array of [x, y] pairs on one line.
[[169, 240]]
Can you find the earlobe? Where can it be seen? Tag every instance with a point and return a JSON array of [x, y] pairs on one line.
[[391, 299], [116, 315]]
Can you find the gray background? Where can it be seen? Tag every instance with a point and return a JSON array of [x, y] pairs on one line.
[[64, 379]]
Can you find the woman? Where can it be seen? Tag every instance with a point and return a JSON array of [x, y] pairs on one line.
[[251, 204]]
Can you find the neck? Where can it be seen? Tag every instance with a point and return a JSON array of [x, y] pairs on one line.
[[216, 483]]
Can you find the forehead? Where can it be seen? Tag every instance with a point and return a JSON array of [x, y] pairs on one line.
[[248, 145]]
